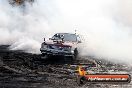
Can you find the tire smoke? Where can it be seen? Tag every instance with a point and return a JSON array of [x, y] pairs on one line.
[[105, 25]]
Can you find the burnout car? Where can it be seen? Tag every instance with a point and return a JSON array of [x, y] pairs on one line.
[[61, 44]]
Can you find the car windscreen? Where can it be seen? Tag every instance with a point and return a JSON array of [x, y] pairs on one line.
[[66, 37]]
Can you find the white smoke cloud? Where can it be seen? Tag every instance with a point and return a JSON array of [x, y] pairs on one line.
[[29, 24], [105, 24], [107, 34], [26, 44]]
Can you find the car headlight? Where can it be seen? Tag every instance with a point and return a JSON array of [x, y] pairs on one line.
[[72, 51]]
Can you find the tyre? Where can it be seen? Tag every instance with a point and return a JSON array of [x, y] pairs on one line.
[[75, 54]]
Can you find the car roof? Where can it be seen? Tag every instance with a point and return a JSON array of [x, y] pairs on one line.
[[66, 33]]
